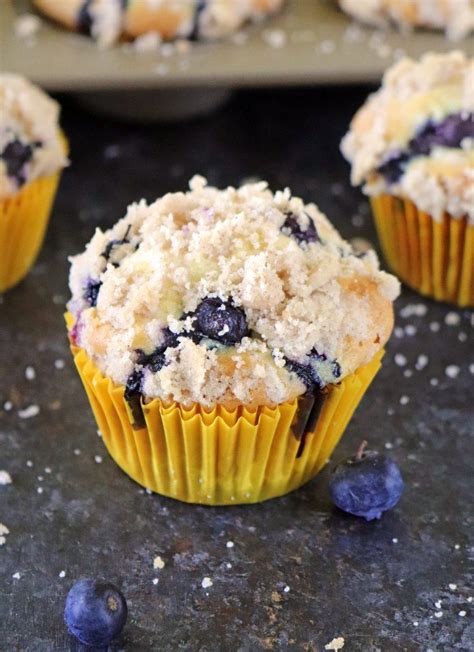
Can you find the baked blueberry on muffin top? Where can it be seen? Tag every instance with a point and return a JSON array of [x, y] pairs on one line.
[[235, 296], [30, 142], [415, 136]]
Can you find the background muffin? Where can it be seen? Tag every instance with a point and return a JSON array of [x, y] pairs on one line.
[[228, 300], [456, 17], [32, 153], [108, 21], [412, 145]]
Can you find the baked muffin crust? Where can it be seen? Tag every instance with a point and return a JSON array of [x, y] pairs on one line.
[[414, 137], [30, 141], [235, 296]]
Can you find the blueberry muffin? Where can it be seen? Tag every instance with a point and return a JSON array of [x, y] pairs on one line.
[[32, 155], [109, 21], [231, 327], [455, 17], [412, 146]]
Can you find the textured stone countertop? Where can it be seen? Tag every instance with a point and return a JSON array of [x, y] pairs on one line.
[[299, 573]]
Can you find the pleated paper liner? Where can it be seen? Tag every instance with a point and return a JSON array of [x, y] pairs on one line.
[[219, 456], [23, 220], [436, 258]]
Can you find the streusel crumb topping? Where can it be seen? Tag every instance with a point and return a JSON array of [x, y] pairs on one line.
[[228, 296]]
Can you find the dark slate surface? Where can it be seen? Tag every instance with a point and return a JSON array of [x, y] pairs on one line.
[[375, 584]]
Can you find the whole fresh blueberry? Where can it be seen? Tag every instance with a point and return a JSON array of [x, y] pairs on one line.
[[95, 612], [220, 320], [306, 373], [393, 167], [454, 129], [291, 227], [366, 484]]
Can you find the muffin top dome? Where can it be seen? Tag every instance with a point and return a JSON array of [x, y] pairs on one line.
[[415, 136], [108, 21], [456, 17], [30, 141], [235, 296]]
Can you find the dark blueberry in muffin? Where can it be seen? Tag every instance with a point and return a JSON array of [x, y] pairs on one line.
[[92, 291], [132, 394], [291, 227], [156, 360], [393, 167], [452, 131], [16, 155], [84, 18], [322, 357], [115, 243], [221, 321], [307, 374], [200, 6]]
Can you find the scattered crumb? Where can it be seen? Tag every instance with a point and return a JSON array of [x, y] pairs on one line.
[[336, 644], [40, 490], [27, 26], [415, 623], [408, 373], [62, 574], [457, 546], [3, 532], [77, 451], [394, 540], [29, 463], [327, 47], [437, 604], [158, 562], [434, 326], [16, 576], [98, 459], [5, 478], [421, 361], [398, 331], [410, 330], [59, 363], [413, 309], [7, 406], [452, 371], [30, 373], [471, 368], [400, 359], [452, 319], [155, 581], [453, 587], [228, 565], [286, 589], [462, 613], [229, 544], [438, 614], [47, 469], [29, 412], [206, 583], [434, 382], [388, 445], [462, 337], [147, 42], [404, 400], [55, 405], [275, 38]]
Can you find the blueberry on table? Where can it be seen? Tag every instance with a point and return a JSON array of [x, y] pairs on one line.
[[221, 321], [367, 484], [95, 612]]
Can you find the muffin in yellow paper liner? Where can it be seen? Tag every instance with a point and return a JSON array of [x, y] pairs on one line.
[[23, 221], [436, 258], [219, 456]]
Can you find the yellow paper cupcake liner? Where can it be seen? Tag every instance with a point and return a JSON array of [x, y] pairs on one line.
[[23, 220], [436, 258], [219, 456]]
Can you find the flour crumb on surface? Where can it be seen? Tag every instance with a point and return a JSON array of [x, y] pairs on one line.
[[3, 532], [336, 644], [158, 562], [206, 583], [452, 371], [29, 412], [5, 478]]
